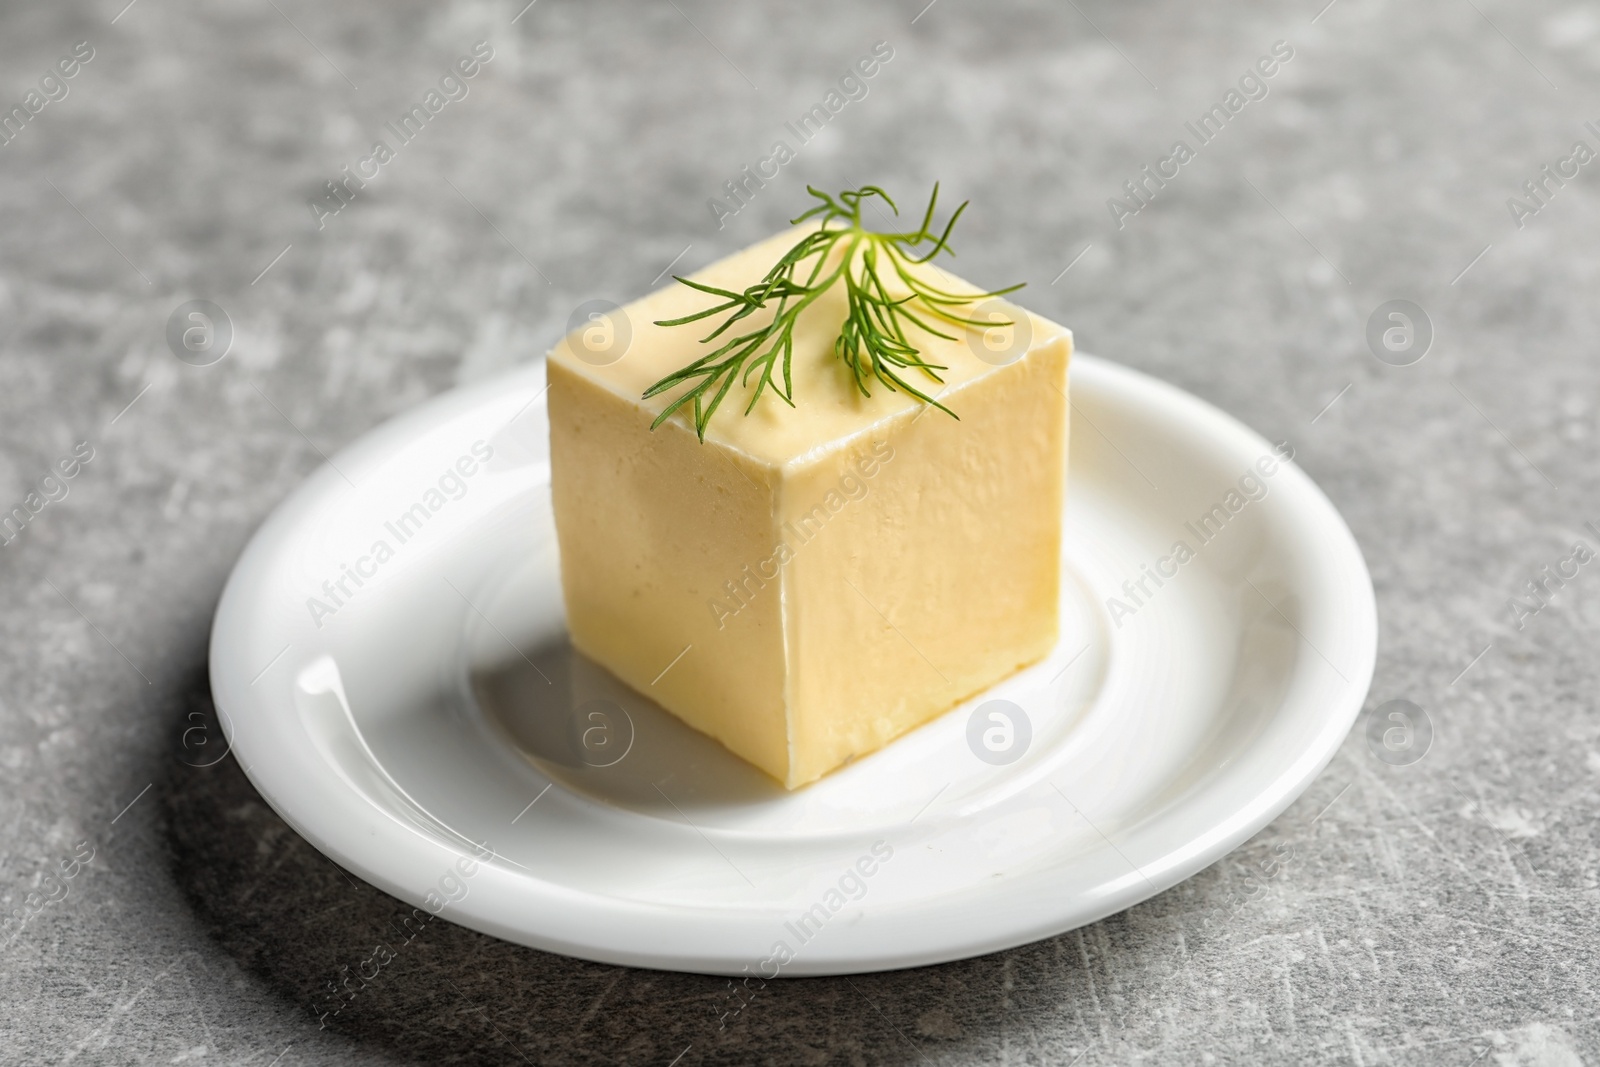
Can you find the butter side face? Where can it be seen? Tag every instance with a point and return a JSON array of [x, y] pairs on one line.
[[939, 578], [839, 572]]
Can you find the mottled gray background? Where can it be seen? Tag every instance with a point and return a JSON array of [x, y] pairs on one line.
[[1437, 913]]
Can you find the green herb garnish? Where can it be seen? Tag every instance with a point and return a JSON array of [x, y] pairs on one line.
[[872, 341]]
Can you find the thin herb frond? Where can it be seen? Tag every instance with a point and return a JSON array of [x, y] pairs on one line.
[[873, 343]]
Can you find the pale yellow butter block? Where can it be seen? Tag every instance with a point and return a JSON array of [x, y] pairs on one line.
[[810, 582]]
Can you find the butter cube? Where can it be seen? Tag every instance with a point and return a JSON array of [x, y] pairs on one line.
[[810, 582]]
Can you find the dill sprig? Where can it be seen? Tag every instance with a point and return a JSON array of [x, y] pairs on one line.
[[872, 342]]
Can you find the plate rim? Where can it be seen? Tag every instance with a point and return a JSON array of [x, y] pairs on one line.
[[503, 887]]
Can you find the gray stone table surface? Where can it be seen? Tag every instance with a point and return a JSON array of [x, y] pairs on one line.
[[1441, 912]]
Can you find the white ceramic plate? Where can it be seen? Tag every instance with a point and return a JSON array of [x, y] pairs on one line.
[[430, 729]]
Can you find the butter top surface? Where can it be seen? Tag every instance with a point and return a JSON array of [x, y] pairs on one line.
[[829, 409]]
